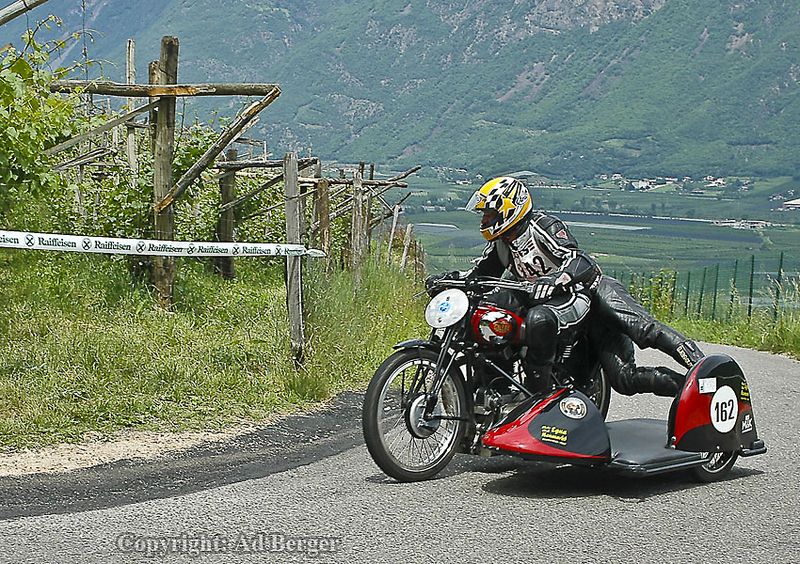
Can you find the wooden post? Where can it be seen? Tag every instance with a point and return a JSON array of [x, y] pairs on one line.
[[227, 219], [358, 234], [395, 213], [228, 134], [302, 204], [313, 228], [152, 77], [323, 218], [368, 222], [294, 281], [16, 9], [164, 267], [406, 245], [130, 78]]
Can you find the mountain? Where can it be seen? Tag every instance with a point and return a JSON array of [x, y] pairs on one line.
[[565, 88]]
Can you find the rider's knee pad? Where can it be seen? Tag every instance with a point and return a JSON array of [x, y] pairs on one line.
[[541, 332]]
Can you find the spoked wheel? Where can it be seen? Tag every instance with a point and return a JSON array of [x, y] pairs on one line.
[[405, 443], [597, 389], [717, 466]]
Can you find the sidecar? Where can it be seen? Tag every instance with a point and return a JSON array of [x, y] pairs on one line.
[[710, 424]]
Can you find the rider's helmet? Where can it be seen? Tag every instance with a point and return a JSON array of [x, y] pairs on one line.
[[504, 203]]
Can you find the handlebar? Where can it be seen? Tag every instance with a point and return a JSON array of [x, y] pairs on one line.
[[487, 283]]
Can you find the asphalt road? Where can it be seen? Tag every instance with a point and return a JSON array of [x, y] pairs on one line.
[[321, 496]]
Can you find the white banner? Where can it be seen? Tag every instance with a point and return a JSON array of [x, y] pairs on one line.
[[148, 247]]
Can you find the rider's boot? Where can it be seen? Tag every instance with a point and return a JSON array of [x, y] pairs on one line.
[[618, 361], [658, 380]]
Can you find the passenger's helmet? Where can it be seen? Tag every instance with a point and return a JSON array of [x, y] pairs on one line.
[[504, 202]]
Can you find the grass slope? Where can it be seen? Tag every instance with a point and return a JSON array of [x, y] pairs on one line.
[[83, 348]]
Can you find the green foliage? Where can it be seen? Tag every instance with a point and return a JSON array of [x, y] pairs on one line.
[[759, 332], [30, 120], [730, 323], [694, 88]]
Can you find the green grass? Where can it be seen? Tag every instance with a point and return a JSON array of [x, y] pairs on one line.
[[759, 333], [730, 322], [82, 348]]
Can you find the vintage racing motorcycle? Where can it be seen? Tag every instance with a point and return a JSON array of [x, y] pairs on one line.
[[464, 390]]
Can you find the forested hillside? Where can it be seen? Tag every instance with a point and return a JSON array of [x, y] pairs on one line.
[[565, 88]]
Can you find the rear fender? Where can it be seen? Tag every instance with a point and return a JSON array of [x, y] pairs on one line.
[[713, 412]]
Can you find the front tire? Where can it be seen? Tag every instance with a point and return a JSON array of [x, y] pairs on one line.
[[405, 445]]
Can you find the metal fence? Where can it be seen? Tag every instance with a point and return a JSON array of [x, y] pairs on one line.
[[718, 291]]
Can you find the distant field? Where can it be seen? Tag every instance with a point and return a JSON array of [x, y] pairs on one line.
[[630, 244], [656, 244]]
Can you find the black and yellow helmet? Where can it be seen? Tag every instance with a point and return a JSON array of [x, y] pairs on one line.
[[503, 201]]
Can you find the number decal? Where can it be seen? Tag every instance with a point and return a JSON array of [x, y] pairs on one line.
[[724, 409], [539, 266], [532, 266]]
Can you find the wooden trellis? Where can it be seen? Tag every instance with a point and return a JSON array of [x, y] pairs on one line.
[[353, 195], [163, 89]]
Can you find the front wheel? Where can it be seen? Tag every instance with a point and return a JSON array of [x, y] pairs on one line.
[[716, 467], [405, 443]]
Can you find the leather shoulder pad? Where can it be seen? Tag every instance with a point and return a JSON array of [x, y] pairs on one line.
[[557, 230]]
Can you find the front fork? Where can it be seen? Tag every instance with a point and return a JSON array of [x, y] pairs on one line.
[[441, 372], [444, 363]]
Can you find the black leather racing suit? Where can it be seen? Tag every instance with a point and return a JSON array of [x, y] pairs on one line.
[[617, 322], [542, 250]]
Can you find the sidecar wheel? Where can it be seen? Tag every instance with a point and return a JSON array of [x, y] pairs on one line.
[[717, 467], [405, 445]]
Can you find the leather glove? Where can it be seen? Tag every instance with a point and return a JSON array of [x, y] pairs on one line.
[[433, 280], [549, 285]]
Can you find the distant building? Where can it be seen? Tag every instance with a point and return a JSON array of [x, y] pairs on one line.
[[743, 223], [792, 204]]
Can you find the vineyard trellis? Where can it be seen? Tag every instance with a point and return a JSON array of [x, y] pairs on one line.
[[352, 192]]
